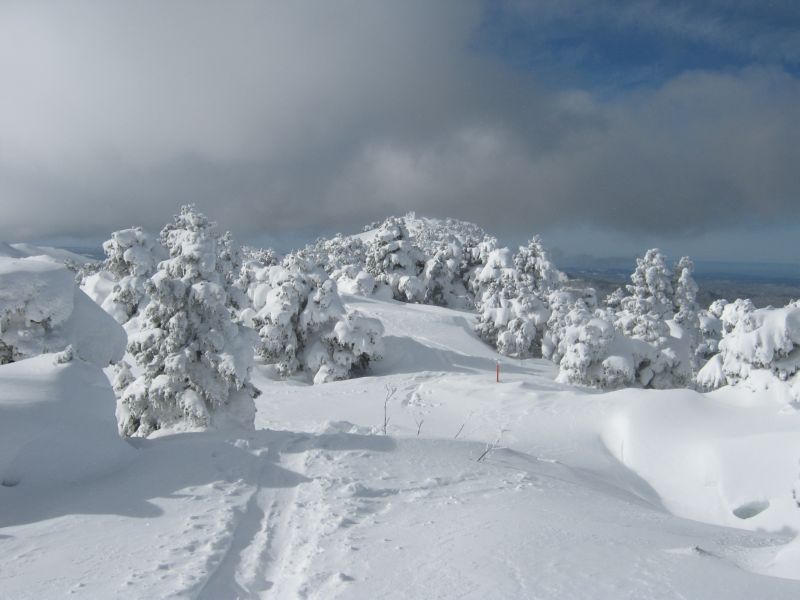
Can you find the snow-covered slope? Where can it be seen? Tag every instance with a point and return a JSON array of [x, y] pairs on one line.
[[520, 489], [21, 250]]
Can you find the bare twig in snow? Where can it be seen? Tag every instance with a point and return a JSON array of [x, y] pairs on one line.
[[493, 446], [390, 392], [460, 429]]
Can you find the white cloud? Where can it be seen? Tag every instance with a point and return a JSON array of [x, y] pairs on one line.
[[287, 114]]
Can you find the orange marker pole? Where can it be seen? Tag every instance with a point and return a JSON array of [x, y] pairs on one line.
[[497, 371]]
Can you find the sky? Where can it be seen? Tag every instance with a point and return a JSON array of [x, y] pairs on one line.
[[607, 127]]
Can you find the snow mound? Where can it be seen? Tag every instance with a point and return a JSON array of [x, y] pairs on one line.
[[42, 310], [57, 424]]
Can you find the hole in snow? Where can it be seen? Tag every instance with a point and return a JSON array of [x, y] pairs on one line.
[[751, 509], [10, 481]]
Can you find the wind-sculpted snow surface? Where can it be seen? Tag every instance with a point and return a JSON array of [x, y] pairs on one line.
[[57, 427], [42, 310]]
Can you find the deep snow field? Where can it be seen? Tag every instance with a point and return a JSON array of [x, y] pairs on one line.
[[631, 494]]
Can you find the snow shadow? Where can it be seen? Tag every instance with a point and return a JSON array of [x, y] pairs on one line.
[[407, 355], [188, 466], [611, 478]]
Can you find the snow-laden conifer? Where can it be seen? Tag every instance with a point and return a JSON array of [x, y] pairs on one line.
[[194, 359], [393, 259], [760, 351], [304, 327], [132, 256], [687, 314]]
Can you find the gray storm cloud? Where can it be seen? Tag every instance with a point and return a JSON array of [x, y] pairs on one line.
[[316, 114]]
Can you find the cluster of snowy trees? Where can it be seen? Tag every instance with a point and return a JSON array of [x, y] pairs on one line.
[[646, 334], [650, 333], [304, 326], [198, 310], [408, 259]]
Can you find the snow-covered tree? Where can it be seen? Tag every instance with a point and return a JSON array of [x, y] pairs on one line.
[[304, 326], [710, 324], [535, 268], [195, 360], [229, 259], [740, 311], [335, 253], [614, 300], [561, 303], [687, 316], [586, 351], [430, 235], [512, 318], [645, 315], [132, 256], [649, 303], [343, 258], [582, 340], [636, 339], [254, 260], [43, 311], [393, 259], [496, 270], [443, 278], [511, 294], [760, 351]]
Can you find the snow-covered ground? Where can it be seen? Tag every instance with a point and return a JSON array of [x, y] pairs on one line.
[[21, 250], [520, 489]]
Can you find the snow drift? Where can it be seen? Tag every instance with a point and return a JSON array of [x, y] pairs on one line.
[[42, 310]]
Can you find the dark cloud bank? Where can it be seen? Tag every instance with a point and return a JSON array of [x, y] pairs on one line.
[[284, 115]]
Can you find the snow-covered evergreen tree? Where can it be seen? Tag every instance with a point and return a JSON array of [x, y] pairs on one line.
[[686, 310], [561, 303], [511, 293], [195, 360], [586, 351], [649, 303], [636, 340], [443, 278], [496, 268], [343, 258], [760, 351], [393, 259], [614, 300], [535, 268], [740, 311], [335, 253], [132, 256], [645, 314], [512, 318], [711, 329], [304, 326]]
